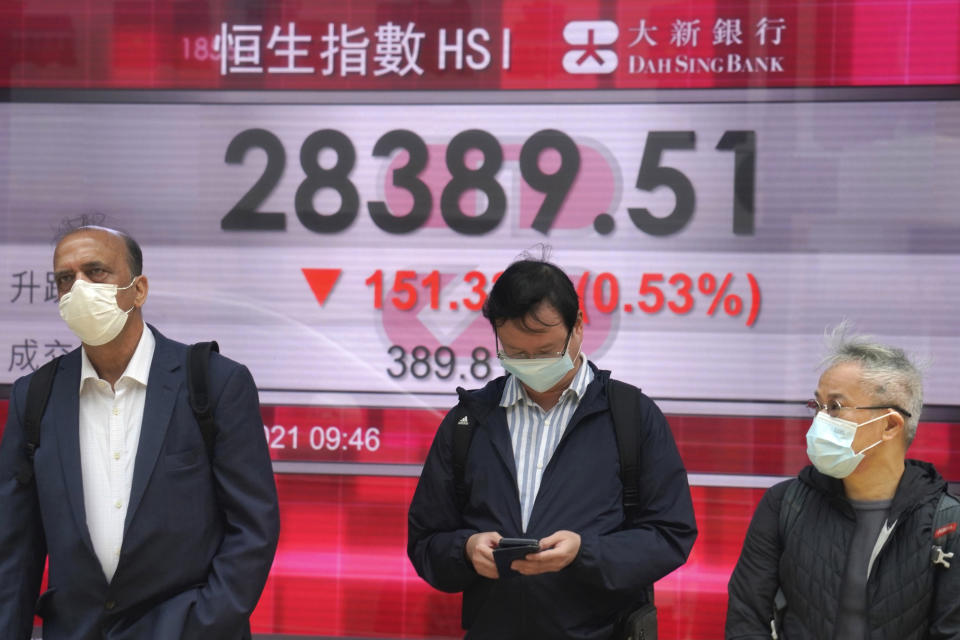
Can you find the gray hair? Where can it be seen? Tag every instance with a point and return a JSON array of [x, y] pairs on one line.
[[888, 373]]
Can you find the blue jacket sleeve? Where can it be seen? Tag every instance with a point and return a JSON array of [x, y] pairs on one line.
[[22, 543], [436, 536], [755, 578], [660, 537], [247, 497]]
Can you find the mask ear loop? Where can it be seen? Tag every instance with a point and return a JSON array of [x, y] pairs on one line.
[[880, 441], [124, 289], [579, 353]]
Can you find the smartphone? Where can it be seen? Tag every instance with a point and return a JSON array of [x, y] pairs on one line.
[[511, 549], [507, 543]]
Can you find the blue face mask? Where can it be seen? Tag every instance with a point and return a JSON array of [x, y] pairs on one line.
[[829, 444], [540, 374]]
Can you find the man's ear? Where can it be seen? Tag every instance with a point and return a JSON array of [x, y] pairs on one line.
[[141, 287], [894, 426]]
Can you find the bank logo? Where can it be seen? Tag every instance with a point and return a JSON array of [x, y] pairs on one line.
[[588, 38]]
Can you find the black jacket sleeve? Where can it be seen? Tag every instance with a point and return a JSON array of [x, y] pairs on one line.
[[247, 495], [22, 543], [755, 579], [662, 533]]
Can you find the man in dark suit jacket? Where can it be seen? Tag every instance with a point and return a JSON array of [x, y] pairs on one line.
[[148, 537]]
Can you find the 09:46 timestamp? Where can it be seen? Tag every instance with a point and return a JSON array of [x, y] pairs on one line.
[[319, 438]]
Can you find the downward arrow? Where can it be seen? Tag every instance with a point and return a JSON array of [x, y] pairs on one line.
[[322, 281]]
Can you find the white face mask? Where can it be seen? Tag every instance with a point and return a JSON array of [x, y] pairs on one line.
[[92, 313], [829, 444], [540, 374]]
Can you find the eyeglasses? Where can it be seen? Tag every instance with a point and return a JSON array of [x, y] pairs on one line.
[[834, 405], [537, 356]]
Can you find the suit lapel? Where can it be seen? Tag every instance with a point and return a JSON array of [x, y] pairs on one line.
[[162, 388], [64, 409]]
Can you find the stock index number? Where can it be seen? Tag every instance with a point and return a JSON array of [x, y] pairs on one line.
[[652, 174]]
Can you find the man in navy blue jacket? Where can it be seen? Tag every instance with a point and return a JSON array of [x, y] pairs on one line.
[[149, 536], [543, 463]]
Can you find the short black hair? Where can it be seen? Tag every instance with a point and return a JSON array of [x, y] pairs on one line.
[[96, 221], [524, 286]]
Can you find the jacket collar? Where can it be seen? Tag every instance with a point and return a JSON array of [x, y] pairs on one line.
[[514, 391], [920, 481], [480, 402], [138, 369], [482, 405]]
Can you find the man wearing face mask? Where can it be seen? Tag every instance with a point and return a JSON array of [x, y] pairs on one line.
[[852, 548], [148, 534], [543, 464]]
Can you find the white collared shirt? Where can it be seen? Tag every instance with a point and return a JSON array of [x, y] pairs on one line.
[[535, 433], [109, 436]]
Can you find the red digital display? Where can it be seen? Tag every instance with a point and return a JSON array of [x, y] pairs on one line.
[[365, 44], [709, 444], [341, 567]]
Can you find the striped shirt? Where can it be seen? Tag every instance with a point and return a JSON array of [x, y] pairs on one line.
[[535, 433]]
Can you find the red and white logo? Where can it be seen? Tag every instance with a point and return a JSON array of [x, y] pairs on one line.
[[589, 36]]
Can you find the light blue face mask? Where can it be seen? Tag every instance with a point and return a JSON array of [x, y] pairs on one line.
[[540, 374], [829, 444]]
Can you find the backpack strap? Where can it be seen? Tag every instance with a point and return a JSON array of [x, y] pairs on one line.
[[624, 405], [38, 394], [945, 530], [198, 385], [463, 428], [462, 436], [624, 400]]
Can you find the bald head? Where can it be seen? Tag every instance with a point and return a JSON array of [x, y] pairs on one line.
[[131, 249]]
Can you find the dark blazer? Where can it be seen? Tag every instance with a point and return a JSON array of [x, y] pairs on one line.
[[199, 535]]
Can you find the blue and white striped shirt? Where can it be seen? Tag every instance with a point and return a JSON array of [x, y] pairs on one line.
[[535, 433]]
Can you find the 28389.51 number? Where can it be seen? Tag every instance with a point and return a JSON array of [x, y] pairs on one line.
[[651, 175]]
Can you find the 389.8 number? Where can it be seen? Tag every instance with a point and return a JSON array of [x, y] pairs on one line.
[[420, 363]]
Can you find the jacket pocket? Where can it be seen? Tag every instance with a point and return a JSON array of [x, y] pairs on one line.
[[182, 460]]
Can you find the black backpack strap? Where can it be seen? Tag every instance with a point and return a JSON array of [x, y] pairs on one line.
[[198, 385], [624, 400], [624, 405], [38, 394], [465, 417], [463, 426], [945, 523]]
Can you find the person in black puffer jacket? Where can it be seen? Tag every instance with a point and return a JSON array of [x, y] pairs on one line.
[[850, 544]]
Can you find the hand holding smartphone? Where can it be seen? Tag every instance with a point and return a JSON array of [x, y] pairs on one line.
[[510, 549]]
